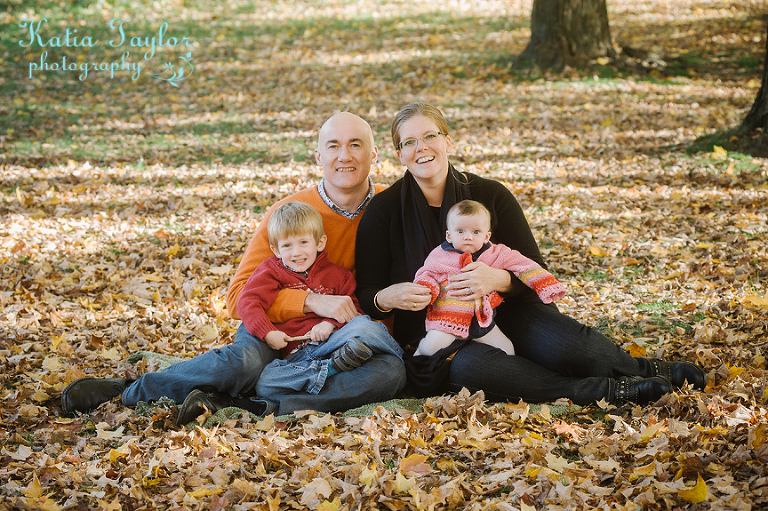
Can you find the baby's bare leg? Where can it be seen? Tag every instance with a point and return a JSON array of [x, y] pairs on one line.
[[497, 339], [434, 341]]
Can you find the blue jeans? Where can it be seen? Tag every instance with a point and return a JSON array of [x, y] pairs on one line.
[[555, 357], [234, 370], [307, 369]]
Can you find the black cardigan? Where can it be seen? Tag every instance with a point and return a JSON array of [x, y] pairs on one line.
[[380, 253]]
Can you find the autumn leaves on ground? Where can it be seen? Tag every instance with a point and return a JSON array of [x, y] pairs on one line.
[[126, 204]]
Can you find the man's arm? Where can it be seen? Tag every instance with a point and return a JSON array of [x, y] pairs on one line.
[[341, 307], [289, 303], [292, 303]]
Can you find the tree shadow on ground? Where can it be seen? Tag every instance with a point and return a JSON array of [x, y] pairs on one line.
[[735, 140]]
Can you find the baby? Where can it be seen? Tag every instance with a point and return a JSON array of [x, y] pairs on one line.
[[467, 240]]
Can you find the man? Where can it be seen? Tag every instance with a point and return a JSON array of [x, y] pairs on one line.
[[226, 376]]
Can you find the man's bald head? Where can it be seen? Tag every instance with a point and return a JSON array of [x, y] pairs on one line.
[[346, 151], [343, 121]]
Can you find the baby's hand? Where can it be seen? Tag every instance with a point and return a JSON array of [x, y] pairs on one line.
[[276, 339], [321, 331]]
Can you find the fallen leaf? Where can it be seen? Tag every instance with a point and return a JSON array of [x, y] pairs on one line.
[[697, 493], [718, 153], [415, 465], [315, 492]]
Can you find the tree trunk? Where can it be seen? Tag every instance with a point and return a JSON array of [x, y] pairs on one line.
[[567, 32], [758, 115]]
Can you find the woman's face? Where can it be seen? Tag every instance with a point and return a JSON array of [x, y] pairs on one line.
[[427, 158]]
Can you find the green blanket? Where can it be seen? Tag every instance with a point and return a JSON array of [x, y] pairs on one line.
[[226, 414]]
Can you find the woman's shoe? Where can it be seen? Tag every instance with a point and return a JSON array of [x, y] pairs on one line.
[[634, 389], [677, 373]]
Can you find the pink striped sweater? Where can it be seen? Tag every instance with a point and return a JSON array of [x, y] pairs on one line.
[[453, 315]]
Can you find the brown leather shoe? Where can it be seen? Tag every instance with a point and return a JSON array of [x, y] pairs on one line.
[[85, 394]]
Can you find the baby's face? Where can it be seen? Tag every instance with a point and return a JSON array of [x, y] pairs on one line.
[[468, 233]]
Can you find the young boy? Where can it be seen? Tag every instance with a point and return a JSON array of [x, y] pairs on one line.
[[311, 347], [467, 240]]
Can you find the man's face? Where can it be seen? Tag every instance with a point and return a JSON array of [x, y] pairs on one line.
[[346, 151]]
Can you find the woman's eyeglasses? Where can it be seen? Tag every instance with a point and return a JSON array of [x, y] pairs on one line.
[[429, 138]]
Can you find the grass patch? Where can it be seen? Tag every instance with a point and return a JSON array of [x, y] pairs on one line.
[[657, 306], [595, 275]]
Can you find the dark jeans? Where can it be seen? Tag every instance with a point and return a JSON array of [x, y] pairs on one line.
[[556, 357]]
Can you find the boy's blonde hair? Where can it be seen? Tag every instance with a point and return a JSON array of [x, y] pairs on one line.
[[469, 208], [293, 219]]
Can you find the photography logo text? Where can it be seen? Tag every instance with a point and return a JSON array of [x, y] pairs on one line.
[[144, 48]]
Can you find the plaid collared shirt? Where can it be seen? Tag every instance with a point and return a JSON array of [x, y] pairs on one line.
[[344, 212]]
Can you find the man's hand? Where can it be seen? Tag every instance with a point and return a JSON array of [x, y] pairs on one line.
[[276, 339], [321, 331], [340, 308]]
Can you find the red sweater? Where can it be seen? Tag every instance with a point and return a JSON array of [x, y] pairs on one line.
[[261, 289], [341, 232]]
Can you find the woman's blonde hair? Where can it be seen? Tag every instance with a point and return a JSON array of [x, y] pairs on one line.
[[293, 219], [412, 110]]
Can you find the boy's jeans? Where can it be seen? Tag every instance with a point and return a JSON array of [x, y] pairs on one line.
[[307, 369]]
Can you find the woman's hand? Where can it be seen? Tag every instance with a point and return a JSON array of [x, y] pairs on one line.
[[406, 296], [477, 280]]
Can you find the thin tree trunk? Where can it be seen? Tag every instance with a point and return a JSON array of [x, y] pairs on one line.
[[567, 32], [758, 115]]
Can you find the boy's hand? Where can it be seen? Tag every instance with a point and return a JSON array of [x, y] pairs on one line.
[[276, 339], [321, 331]]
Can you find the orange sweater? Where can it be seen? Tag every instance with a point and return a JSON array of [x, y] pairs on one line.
[[341, 232]]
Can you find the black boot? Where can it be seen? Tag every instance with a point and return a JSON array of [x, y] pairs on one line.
[[351, 356], [215, 401], [85, 394], [679, 372], [633, 389]]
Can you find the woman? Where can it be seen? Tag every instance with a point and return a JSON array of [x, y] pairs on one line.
[[556, 356]]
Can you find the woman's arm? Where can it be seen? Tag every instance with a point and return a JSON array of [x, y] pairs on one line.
[[373, 259], [509, 225], [380, 286]]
